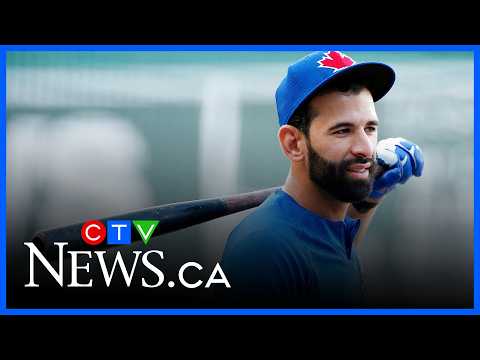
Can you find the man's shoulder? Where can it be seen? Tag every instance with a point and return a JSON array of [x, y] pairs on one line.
[[266, 227], [261, 220]]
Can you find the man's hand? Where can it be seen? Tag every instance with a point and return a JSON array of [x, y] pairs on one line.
[[401, 159]]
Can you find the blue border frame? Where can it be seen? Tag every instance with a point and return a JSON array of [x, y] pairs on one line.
[[5, 311]]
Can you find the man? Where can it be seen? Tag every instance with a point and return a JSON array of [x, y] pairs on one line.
[[297, 247]]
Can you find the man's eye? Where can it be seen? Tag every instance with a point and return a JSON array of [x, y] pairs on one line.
[[371, 129], [342, 131]]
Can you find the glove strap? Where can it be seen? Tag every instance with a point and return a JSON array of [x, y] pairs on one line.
[[412, 157]]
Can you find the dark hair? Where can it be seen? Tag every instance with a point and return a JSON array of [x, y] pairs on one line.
[[302, 117]]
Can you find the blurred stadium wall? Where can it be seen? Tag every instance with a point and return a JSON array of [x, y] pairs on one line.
[[91, 134]]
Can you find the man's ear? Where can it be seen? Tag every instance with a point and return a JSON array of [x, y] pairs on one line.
[[292, 142]]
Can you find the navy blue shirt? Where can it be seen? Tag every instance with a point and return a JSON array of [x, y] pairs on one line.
[[283, 254]]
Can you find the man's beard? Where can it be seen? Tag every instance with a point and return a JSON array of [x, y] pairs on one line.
[[332, 177]]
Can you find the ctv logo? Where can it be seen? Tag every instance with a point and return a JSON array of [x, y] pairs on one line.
[[117, 232]]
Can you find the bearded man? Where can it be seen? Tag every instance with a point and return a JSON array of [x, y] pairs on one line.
[[298, 247]]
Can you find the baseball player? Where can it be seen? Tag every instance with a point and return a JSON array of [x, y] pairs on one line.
[[298, 247]]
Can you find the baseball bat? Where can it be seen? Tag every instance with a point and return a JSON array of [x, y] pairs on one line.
[[171, 217]]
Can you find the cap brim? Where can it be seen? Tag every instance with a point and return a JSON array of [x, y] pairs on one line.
[[377, 77]]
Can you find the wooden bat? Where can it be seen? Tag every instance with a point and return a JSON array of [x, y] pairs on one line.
[[171, 217]]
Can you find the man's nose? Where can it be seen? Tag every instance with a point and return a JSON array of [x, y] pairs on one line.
[[363, 145]]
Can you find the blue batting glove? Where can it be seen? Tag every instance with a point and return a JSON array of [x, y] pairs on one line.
[[401, 159]]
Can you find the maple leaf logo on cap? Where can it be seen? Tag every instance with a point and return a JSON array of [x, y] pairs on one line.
[[335, 60]]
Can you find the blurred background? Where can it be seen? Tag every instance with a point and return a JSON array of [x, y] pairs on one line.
[[94, 134]]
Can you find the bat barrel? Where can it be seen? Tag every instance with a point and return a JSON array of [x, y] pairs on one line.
[[171, 217]]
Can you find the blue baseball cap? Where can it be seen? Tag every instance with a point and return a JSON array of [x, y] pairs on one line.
[[318, 69]]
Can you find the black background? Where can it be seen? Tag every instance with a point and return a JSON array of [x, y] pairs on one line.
[[400, 24]]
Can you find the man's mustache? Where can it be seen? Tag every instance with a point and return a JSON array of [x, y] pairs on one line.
[[359, 160]]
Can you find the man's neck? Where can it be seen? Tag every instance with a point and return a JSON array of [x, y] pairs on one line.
[[309, 196]]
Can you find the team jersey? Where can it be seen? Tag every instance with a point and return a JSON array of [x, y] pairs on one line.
[[283, 254]]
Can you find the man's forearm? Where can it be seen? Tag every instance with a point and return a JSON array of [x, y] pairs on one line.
[[363, 211]]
